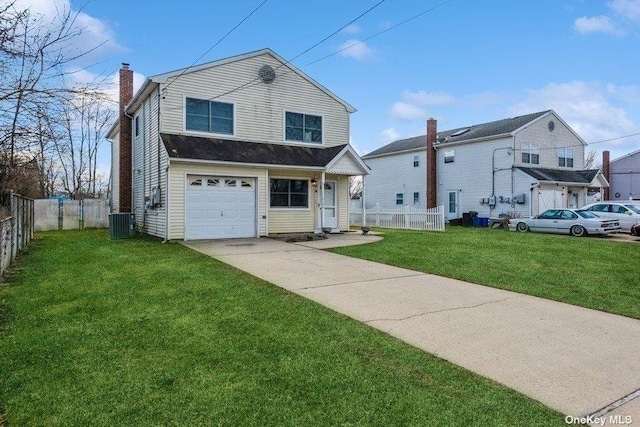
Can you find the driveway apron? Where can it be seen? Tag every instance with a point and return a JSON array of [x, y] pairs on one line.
[[575, 360]]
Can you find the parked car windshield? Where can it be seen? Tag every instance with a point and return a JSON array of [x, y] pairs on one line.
[[587, 214], [633, 208]]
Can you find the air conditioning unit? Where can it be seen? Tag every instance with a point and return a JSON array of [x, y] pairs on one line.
[[121, 225]]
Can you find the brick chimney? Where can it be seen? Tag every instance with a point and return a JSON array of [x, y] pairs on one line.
[[605, 171], [432, 186], [125, 173]]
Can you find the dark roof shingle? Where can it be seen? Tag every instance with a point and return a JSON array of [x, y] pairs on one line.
[[223, 150], [482, 130], [557, 175]]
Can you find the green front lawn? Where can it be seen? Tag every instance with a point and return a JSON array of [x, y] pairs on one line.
[[139, 333], [590, 272]]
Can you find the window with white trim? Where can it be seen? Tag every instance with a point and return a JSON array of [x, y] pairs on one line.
[[302, 127], [449, 156], [565, 157], [416, 161], [416, 198], [209, 116], [289, 193], [399, 198], [531, 153]]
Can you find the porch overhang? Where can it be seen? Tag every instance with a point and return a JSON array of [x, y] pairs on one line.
[[337, 160], [591, 178]]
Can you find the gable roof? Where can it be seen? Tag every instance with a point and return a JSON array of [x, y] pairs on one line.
[[185, 147], [557, 175], [465, 133], [626, 156], [153, 81]]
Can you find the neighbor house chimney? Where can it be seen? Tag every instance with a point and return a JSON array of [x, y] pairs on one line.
[[432, 187], [605, 171], [126, 95]]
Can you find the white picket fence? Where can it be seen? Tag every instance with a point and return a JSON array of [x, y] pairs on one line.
[[401, 217]]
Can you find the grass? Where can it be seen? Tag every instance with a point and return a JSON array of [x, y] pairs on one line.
[[135, 332], [589, 272]]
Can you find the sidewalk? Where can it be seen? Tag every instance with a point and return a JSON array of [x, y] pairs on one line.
[[572, 359]]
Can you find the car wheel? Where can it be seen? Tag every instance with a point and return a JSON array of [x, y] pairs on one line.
[[578, 231], [522, 226], [633, 231]]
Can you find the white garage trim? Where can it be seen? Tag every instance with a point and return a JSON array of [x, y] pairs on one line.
[[220, 207]]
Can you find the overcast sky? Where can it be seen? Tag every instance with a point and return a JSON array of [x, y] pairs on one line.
[[461, 62]]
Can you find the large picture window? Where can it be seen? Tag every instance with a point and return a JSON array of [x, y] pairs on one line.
[[289, 193], [209, 116], [303, 127], [565, 157]]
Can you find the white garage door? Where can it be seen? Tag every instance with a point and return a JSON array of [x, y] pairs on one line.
[[219, 207]]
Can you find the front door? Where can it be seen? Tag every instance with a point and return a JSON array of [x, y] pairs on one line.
[[452, 204], [330, 219]]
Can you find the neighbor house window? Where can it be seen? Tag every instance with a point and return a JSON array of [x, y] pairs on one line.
[[531, 153], [565, 157], [416, 161], [137, 125], [416, 198], [448, 156], [209, 116], [399, 198], [303, 127], [289, 193]]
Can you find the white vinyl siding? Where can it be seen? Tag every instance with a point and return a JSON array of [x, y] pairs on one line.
[[149, 166], [549, 142], [258, 107], [395, 174]]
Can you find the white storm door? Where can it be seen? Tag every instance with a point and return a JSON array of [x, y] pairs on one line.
[[452, 204], [330, 219]]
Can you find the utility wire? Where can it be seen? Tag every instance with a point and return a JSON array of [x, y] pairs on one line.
[[216, 43], [381, 32]]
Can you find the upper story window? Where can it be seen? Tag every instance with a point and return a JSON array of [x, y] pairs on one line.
[[531, 153], [565, 157], [449, 156], [416, 161], [303, 127], [399, 198], [209, 116]]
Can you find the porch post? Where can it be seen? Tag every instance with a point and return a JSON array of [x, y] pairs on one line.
[[322, 202], [364, 205]]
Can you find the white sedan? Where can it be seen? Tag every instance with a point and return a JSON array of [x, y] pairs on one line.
[[626, 213], [566, 221]]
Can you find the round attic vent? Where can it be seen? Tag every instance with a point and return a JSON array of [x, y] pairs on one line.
[[267, 74], [551, 125]]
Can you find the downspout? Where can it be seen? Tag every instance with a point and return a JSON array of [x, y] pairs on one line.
[[494, 170], [364, 205], [159, 146], [166, 209], [132, 171]]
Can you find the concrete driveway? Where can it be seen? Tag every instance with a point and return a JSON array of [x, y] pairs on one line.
[[575, 360]]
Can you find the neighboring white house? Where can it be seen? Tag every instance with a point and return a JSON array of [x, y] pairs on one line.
[[516, 166], [240, 147], [624, 177]]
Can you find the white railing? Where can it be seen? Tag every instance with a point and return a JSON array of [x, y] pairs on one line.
[[401, 217]]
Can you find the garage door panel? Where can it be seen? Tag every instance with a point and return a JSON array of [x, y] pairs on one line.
[[221, 211]]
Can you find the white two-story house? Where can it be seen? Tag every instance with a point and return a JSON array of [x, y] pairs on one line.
[[518, 166], [245, 146]]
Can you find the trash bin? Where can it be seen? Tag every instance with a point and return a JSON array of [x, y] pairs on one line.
[[467, 218]]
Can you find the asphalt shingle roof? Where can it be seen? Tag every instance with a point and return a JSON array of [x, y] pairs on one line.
[[557, 175], [214, 149], [482, 130]]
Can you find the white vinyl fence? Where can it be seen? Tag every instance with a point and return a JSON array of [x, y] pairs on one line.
[[401, 217], [16, 231], [54, 214]]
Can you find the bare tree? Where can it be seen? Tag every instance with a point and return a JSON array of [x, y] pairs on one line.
[[35, 54], [591, 159], [355, 187]]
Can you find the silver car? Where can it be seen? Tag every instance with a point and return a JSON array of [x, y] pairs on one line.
[[626, 213], [566, 221]]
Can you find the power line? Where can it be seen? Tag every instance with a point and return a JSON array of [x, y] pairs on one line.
[[380, 33], [217, 43]]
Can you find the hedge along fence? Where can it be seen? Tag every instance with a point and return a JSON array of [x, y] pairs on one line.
[[16, 231], [59, 214]]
